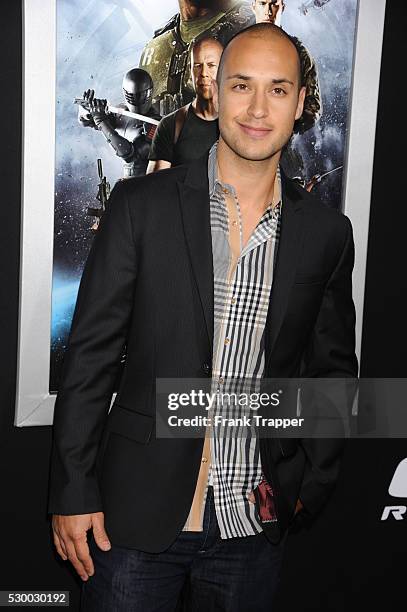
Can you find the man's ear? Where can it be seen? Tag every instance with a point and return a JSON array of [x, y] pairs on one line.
[[300, 105]]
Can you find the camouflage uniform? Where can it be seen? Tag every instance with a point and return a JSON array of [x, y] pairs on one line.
[[167, 56]]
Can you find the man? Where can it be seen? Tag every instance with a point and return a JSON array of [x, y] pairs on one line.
[[167, 56], [268, 11], [184, 270], [190, 131], [129, 138]]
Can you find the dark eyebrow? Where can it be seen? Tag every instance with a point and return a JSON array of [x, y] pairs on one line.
[[244, 77]]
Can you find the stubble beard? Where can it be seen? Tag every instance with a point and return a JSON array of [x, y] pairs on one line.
[[241, 149], [205, 94]]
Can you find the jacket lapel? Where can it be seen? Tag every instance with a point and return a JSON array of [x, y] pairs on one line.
[[289, 250], [195, 211]]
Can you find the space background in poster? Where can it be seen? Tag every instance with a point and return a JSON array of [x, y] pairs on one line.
[[97, 42]]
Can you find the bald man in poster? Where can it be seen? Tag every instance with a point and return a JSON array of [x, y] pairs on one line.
[[190, 131], [166, 57]]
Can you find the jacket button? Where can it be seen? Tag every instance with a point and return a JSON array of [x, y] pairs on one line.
[[206, 368]]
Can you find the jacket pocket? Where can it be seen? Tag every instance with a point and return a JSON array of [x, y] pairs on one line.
[[130, 424]]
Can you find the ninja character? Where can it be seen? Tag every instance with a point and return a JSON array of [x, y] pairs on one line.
[[129, 137]]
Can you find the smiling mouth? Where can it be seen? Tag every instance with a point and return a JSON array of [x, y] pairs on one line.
[[255, 132]]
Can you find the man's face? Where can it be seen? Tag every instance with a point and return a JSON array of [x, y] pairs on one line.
[[268, 10], [259, 96], [204, 67]]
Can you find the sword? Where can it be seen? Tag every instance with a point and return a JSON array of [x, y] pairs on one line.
[[330, 172], [317, 178], [116, 110]]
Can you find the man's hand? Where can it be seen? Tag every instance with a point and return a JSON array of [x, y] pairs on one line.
[[98, 110], [95, 112], [97, 106], [71, 542], [84, 115]]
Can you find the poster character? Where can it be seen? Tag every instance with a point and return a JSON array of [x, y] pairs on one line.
[[167, 56], [190, 131], [129, 137], [268, 11]]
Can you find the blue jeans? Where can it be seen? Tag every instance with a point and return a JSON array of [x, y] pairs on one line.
[[230, 575]]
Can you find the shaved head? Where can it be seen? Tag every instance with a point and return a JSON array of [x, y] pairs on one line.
[[264, 31], [260, 95]]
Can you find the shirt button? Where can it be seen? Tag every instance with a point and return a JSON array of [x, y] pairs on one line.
[[225, 190], [233, 301], [227, 340], [221, 380], [204, 460], [234, 223]]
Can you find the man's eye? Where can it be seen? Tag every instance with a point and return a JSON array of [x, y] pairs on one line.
[[240, 86], [279, 91]]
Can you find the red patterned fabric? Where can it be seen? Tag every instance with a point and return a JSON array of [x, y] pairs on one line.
[[265, 502]]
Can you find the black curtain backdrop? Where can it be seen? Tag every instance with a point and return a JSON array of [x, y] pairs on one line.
[[349, 559]]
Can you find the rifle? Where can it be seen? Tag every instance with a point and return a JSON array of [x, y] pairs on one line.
[[102, 195]]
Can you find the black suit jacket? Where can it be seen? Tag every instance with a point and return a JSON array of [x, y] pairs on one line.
[[147, 285]]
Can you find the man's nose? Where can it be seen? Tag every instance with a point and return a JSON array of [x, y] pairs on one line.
[[258, 105], [205, 71]]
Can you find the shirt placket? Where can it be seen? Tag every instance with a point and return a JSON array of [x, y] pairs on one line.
[[232, 215], [234, 237], [207, 458]]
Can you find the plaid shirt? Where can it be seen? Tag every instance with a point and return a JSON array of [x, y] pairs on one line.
[[242, 283]]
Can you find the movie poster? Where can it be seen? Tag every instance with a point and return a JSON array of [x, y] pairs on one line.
[[99, 46]]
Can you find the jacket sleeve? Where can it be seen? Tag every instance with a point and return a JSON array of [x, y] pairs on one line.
[[330, 353], [92, 359]]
